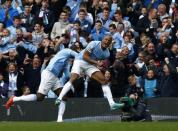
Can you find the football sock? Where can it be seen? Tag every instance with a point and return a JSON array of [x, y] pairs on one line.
[[30, 97], [65, 89], [107, 94], [61, 111]]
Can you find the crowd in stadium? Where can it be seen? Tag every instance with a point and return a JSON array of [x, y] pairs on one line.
[[143, 56]]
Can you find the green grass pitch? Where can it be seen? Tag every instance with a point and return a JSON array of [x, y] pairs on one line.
[[89, 126]]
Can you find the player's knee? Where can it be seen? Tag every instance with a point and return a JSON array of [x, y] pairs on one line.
[[103, 81], [73, 77], [40, 97], [64, 98]]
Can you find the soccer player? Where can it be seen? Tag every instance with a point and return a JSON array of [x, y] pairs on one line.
[[88, 62], [50, 80]]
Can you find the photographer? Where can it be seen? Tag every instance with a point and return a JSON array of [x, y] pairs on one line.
[[135, 109]]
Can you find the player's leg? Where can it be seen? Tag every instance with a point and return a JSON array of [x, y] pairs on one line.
[[30, 97], [69, 85], [47, 82], [12, 99], [98, 76], [62, 106], [61, 109]]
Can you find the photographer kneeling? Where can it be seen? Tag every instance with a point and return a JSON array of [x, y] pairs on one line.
[[135, 109]]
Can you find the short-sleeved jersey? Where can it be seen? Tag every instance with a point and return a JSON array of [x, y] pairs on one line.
[[59, 61], [96, 52]]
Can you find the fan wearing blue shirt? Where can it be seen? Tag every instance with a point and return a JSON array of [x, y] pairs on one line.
[[7, 13]]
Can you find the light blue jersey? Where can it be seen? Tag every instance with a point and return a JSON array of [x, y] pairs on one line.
[[58, 63], [149, 86], [118, 40], [96, 53]]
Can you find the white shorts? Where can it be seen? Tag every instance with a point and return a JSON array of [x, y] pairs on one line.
[[48, 82], [80, 66]]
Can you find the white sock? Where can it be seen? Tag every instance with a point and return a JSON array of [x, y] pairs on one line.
[[107, 94], [31, 97], [61, 111], [65, 89]]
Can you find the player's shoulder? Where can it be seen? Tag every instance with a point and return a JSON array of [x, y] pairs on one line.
[[66, 49], [95, 43]]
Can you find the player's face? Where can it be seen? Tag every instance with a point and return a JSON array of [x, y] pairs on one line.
[[105, 43]]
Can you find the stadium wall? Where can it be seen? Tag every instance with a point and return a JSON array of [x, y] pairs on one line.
[[167, 108]]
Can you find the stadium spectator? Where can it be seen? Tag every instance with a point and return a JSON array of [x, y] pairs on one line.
[[12, 57], [150, 51], [5, 41], [38, 34], [120, 73], [7, 13], [162, 11], [118, 18], [84, 23], [56, 6], [27, 18], [74, 7], [3, 63], [74, 31], [32, 73], [133, 11], [61, 26], [17, 4], [117, 38], [3, 87], [132, 87], [15, 80], [172, 54], [25, 90], [150, 84], [95, 9], [168, 83], [98, 32], [104, 18], [88, 16], [16, 24], [148, 23], [45, 15], [144, 12]]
